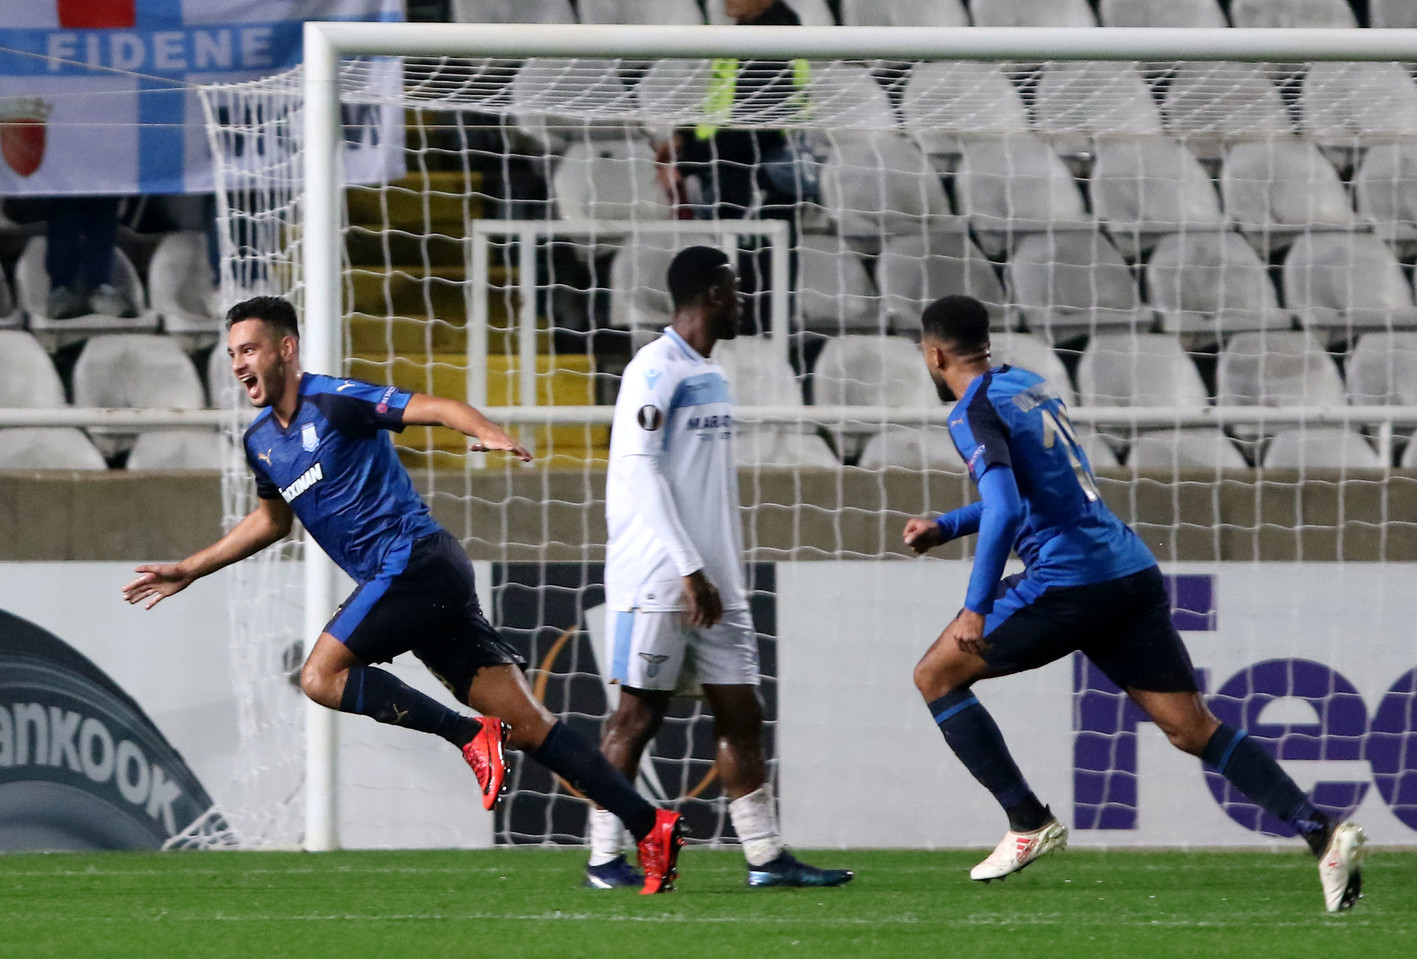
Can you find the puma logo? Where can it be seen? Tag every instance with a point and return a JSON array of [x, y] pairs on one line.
[[266, 456], [344, 386], [399, 714]]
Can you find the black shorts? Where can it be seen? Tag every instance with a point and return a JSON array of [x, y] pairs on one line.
[[423, 602], [1123, 625]]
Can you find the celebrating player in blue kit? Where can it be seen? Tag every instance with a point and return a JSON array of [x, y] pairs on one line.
[[319, 451], [1089, 584]]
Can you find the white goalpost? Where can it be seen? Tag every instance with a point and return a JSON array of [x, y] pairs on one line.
[[519, 230]]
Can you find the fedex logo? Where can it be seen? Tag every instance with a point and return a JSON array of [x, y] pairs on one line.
[[1105, 721]]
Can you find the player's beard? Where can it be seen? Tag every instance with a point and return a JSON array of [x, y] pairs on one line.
[[942, 389]]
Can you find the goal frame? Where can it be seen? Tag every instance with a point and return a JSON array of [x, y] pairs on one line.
[[325, 43]]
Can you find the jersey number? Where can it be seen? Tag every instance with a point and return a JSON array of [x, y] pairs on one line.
[[1053, 427]]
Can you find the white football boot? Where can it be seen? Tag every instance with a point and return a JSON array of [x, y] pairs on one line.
[[1018, 849], [1341, 866]]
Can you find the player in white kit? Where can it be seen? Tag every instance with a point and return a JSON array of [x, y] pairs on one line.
[[674, 572]]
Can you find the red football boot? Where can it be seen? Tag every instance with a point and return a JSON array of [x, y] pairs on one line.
[[484, 755], [659, 852]]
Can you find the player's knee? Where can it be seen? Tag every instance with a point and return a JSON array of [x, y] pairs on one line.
[[319, 686], [931, 679]]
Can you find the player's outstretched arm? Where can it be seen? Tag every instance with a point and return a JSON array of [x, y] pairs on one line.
[[269, 522], [923, 534], [426, 410]]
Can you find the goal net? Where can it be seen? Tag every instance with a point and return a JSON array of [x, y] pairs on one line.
[[1210, 262]]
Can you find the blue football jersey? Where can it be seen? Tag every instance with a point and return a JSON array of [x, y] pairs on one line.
[[336, 467], [1068, 536]]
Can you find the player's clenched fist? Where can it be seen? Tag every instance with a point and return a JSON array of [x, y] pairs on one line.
[[922, 534]]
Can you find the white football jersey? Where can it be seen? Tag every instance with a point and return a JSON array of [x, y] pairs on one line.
[[674, 406]]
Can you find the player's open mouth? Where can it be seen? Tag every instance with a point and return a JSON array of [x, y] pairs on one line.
[[252, 384]]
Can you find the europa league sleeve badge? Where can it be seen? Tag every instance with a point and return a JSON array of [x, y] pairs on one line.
[[23, 130]]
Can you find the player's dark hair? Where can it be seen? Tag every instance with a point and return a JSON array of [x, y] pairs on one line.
[[961, 321], [275, 311], [693, 272]]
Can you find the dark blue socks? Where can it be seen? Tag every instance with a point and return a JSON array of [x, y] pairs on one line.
[[1253, 771], [575, 759], [373, 692], [971, 732]]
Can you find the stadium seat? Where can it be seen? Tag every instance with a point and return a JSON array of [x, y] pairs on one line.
[[1343, 102], [134, 370], [1209, 104], [1145, 187], [512, 11], [178, 449], [1070, 283], [1382, 370], [1409, 455], [1033, 353], [812, 13], [1292, 13], [222, 388], [847, 99], [1193, 448], [918, 449], [1207, 286], [1015, 185], [1138, 369], [11, 318], [181, 284], [608, 180], [1274, 189], [1031, 13], [904, 13], [639, 290], [946, 101], [1099, 452], [1385, 186], [1321, 447], [36, 448], [1275, 368], [1392, 13], [27, 377], [870, 371], [915, 270], [776, 449], [1161, 13], [878, 187], [544, 87], [1102, 98], [758, 372], [1345, 283], [665, 12], [834, 294], [32, 287]]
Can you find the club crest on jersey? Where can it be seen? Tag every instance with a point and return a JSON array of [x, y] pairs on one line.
[[653, 662], [651, 376], [309, 440], [650, 418]]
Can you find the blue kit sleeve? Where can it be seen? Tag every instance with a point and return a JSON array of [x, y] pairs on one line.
[[1000, 514]]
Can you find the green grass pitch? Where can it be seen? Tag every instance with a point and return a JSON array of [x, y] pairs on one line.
[[527, 902]]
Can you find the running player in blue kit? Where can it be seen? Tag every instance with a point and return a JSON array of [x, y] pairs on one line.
[[1089, 584], [319, 450]]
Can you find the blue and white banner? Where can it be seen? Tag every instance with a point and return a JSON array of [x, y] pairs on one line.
[[100, 96]]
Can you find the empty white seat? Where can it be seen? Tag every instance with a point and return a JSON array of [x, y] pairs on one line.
[[547, 92], [881, 186], [870, 371], [1382, 370], [914, 270], [1031, 13], [946, 101], [639, 278], [1098, 451], [1276, 368], [1013, 185], [609, 180], [1341, 102], [27, 377], [812, 13], [1392, 13], [1409, 455], [667, 12], [177, 449], [904, 13], [512, 11], [10, 316], [1209, 285], [32, 288], [1138, 369], [1208, 104], [1278, 187], [1075, 102], [1069, 283], [1195, 448], [847, 98], [834, 294], [1340, 283], [36, 448], [135, 370], [181, 284], [918, 449], [776, 449], [1321, 447], [1385, 186], [1033, 353], [1146, 186], [222, 387], [758, 372], [1161, 13], [671, 93], [1292, 13]]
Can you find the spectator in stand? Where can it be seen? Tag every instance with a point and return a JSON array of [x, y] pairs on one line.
[[79, 255]]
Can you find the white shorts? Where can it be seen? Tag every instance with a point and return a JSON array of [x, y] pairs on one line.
[[662, 651]]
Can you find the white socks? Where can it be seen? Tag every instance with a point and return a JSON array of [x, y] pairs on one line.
[[606, 836], [755, 820]]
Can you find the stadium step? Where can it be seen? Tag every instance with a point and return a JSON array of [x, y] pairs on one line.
[[420, 202]]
